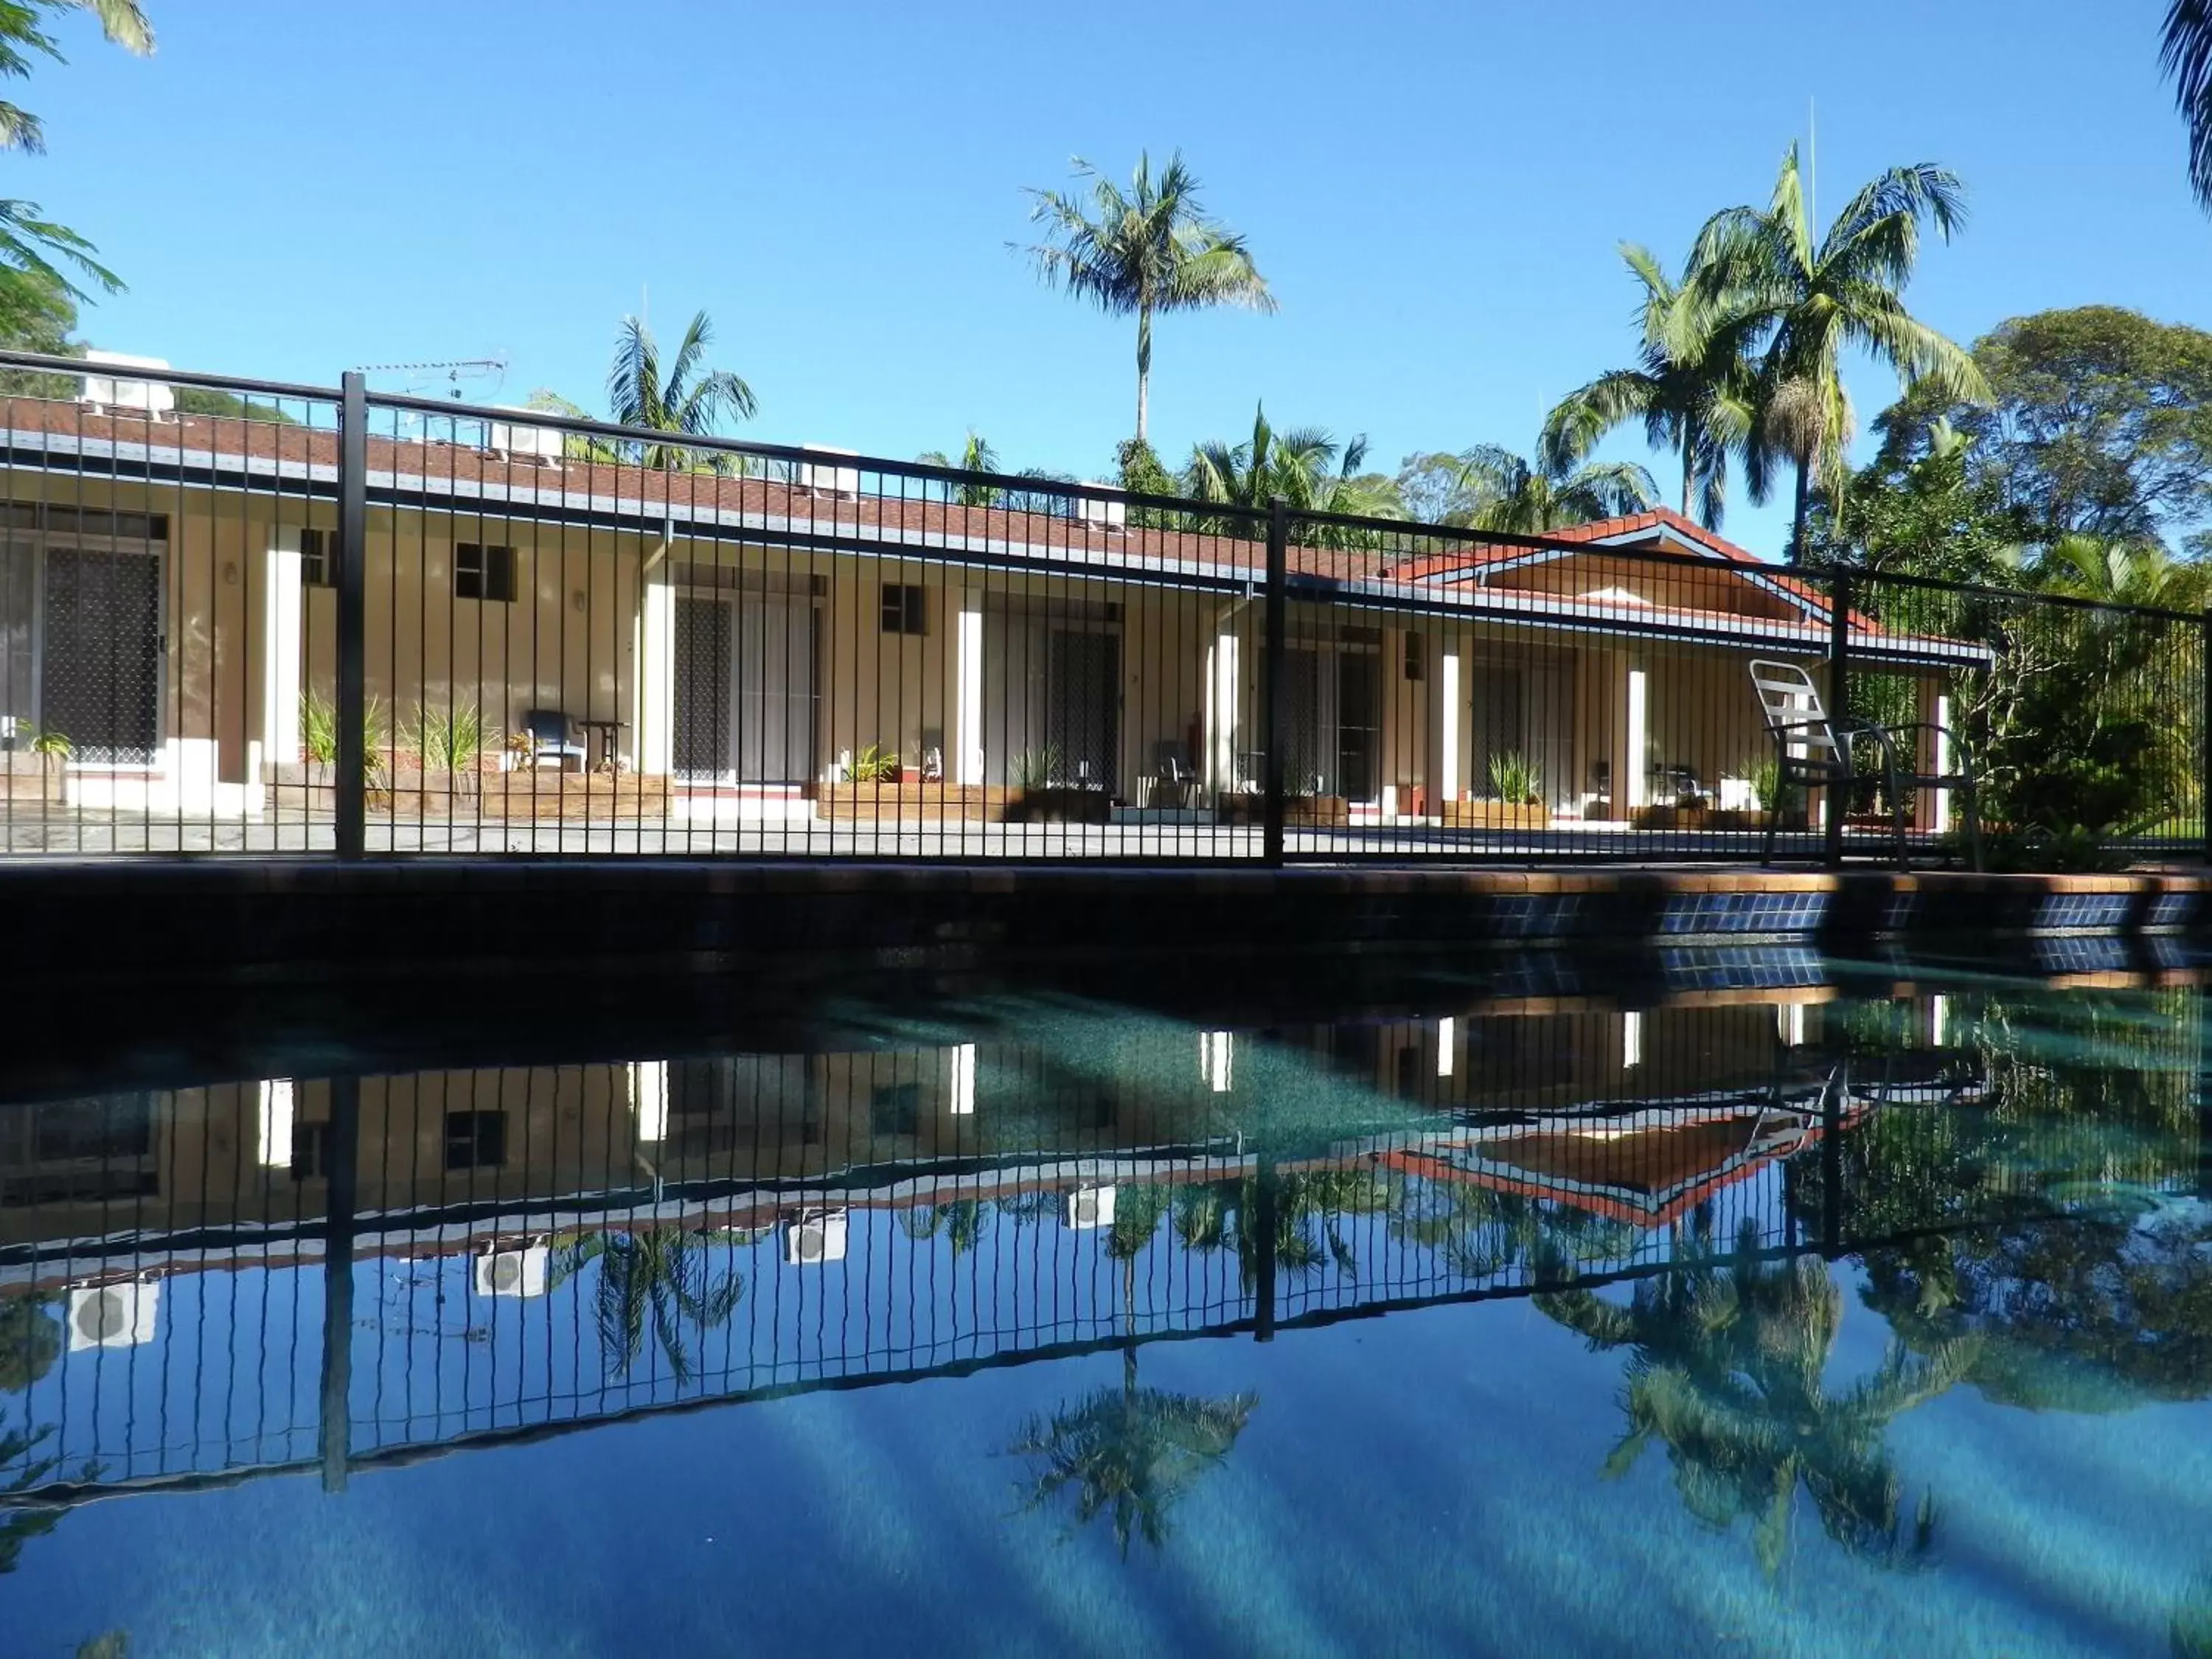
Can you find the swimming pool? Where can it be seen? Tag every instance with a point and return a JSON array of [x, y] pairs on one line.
[[1735, 1301]]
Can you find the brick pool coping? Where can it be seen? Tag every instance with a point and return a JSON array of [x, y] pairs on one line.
[[183, 915]]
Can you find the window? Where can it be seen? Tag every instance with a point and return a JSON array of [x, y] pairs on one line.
[[316, 568], [481, 572], [1416, 656], [311, 1151], [476, 1140], [906, 608], [895, 1108]]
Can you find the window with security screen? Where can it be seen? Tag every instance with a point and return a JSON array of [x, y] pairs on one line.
[[482, 571], [317, 565], [476, 1140], [906, 608]]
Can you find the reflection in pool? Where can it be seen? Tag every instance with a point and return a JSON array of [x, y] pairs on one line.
[[1760, 1304]]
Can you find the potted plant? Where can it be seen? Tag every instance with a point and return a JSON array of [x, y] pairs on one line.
[[1033, 797], [53, 749], [451, 741], [1515, 799], [875, 764]]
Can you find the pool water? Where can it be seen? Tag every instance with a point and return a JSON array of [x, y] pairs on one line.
[[1740, 1303]]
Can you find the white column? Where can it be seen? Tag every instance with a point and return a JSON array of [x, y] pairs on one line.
[[273, 1141], [1217, 1053], [1637, 743], [1447, 1045], [656, 677], [648, 1097], [1447, 682], [280, 652], [1939, 816], [1223, 683], [1632, 1039], [967, 701], [964, 1080]]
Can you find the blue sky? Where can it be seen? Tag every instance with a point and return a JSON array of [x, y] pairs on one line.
[[1435, 192]]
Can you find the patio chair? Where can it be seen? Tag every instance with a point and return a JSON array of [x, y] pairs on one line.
[[552, 737], [1813, 750]]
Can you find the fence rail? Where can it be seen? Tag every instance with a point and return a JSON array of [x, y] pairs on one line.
[[248, 617]]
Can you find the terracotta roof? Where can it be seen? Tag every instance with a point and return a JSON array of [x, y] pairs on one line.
[[892, 507]]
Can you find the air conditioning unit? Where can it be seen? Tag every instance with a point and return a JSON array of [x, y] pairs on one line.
[[113, 390], [514, 1272], [1107, 514], [828, 478], [814, 1238], [511, 438], [1089, 1207], [114, 1316]]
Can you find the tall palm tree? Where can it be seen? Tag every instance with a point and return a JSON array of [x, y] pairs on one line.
[[2187, 57], [1690, 388], [686, 398], [1512, 494], [963, 1222], [1143, 253], [2120, 572], [654, 1280], [1763, 267]]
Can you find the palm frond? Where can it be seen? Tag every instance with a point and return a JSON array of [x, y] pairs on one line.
[[2186, 55]]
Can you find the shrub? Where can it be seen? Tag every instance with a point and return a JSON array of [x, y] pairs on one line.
[[1514, 777]]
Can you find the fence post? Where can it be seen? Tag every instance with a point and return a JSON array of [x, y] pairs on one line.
[[2204, 733], [343, 1161], [1839, 689], [350, 785], [1274, 686]]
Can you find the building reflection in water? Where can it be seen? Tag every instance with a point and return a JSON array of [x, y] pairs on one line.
[[309, 1273]]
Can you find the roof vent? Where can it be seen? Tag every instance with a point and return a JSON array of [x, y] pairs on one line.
[[830, 477], [116, 392], [1107, 513]]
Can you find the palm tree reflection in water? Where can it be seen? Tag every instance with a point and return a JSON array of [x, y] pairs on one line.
[[1726, 1370], [1131, 1452], [656, 1281]]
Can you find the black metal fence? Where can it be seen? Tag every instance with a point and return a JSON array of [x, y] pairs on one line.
[[242, 616]]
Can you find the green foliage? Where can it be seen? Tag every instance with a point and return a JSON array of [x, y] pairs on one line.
[[53, 742], [1140, 470], [37, 315], [30, 1342], [2185, 55], [655, 1282], [1763, 271], [447, 739], [976, 455], [1130, 1454], [1514, 777], [1305, 465], [1510, 494], [319, 731], [1142, 253], [198, 400], [875, 764], [1922, 507], [1692, 389], [1034, 768], [684, 398]]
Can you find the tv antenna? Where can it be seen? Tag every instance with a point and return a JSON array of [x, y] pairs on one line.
[[455, 378]]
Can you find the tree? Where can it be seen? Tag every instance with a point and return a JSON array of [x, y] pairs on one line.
[[34, 251], [1762, 268], [2099, 421], [688, 398], [30, 1342], [1924, 507], [1690, 388], [976, 455], [2186, 58], [2119, 572], [1306, 467], [1511, 494], [1143, 253]]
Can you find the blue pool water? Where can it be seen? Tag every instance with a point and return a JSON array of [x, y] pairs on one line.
[[1743, 1304]]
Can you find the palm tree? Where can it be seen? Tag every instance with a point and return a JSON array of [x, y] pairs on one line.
[[1690, 389], [2187, 57], [33, 249], [30, 1342], [1762, 268], [123, 21], [1511, 494], [688, 399], [1143, 253], [2118, 571], [1729, 1371], [976, 455], [963, 1222], [1305, 465], [653, 1280]]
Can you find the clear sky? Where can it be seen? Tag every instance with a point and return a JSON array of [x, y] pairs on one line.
[[1435, 192]]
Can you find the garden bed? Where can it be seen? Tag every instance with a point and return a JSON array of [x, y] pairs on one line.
[[29, 777], [1299, 811], [539, 795], [1494, 815]]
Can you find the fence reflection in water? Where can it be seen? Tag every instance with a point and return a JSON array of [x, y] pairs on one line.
[[288, 1272]]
